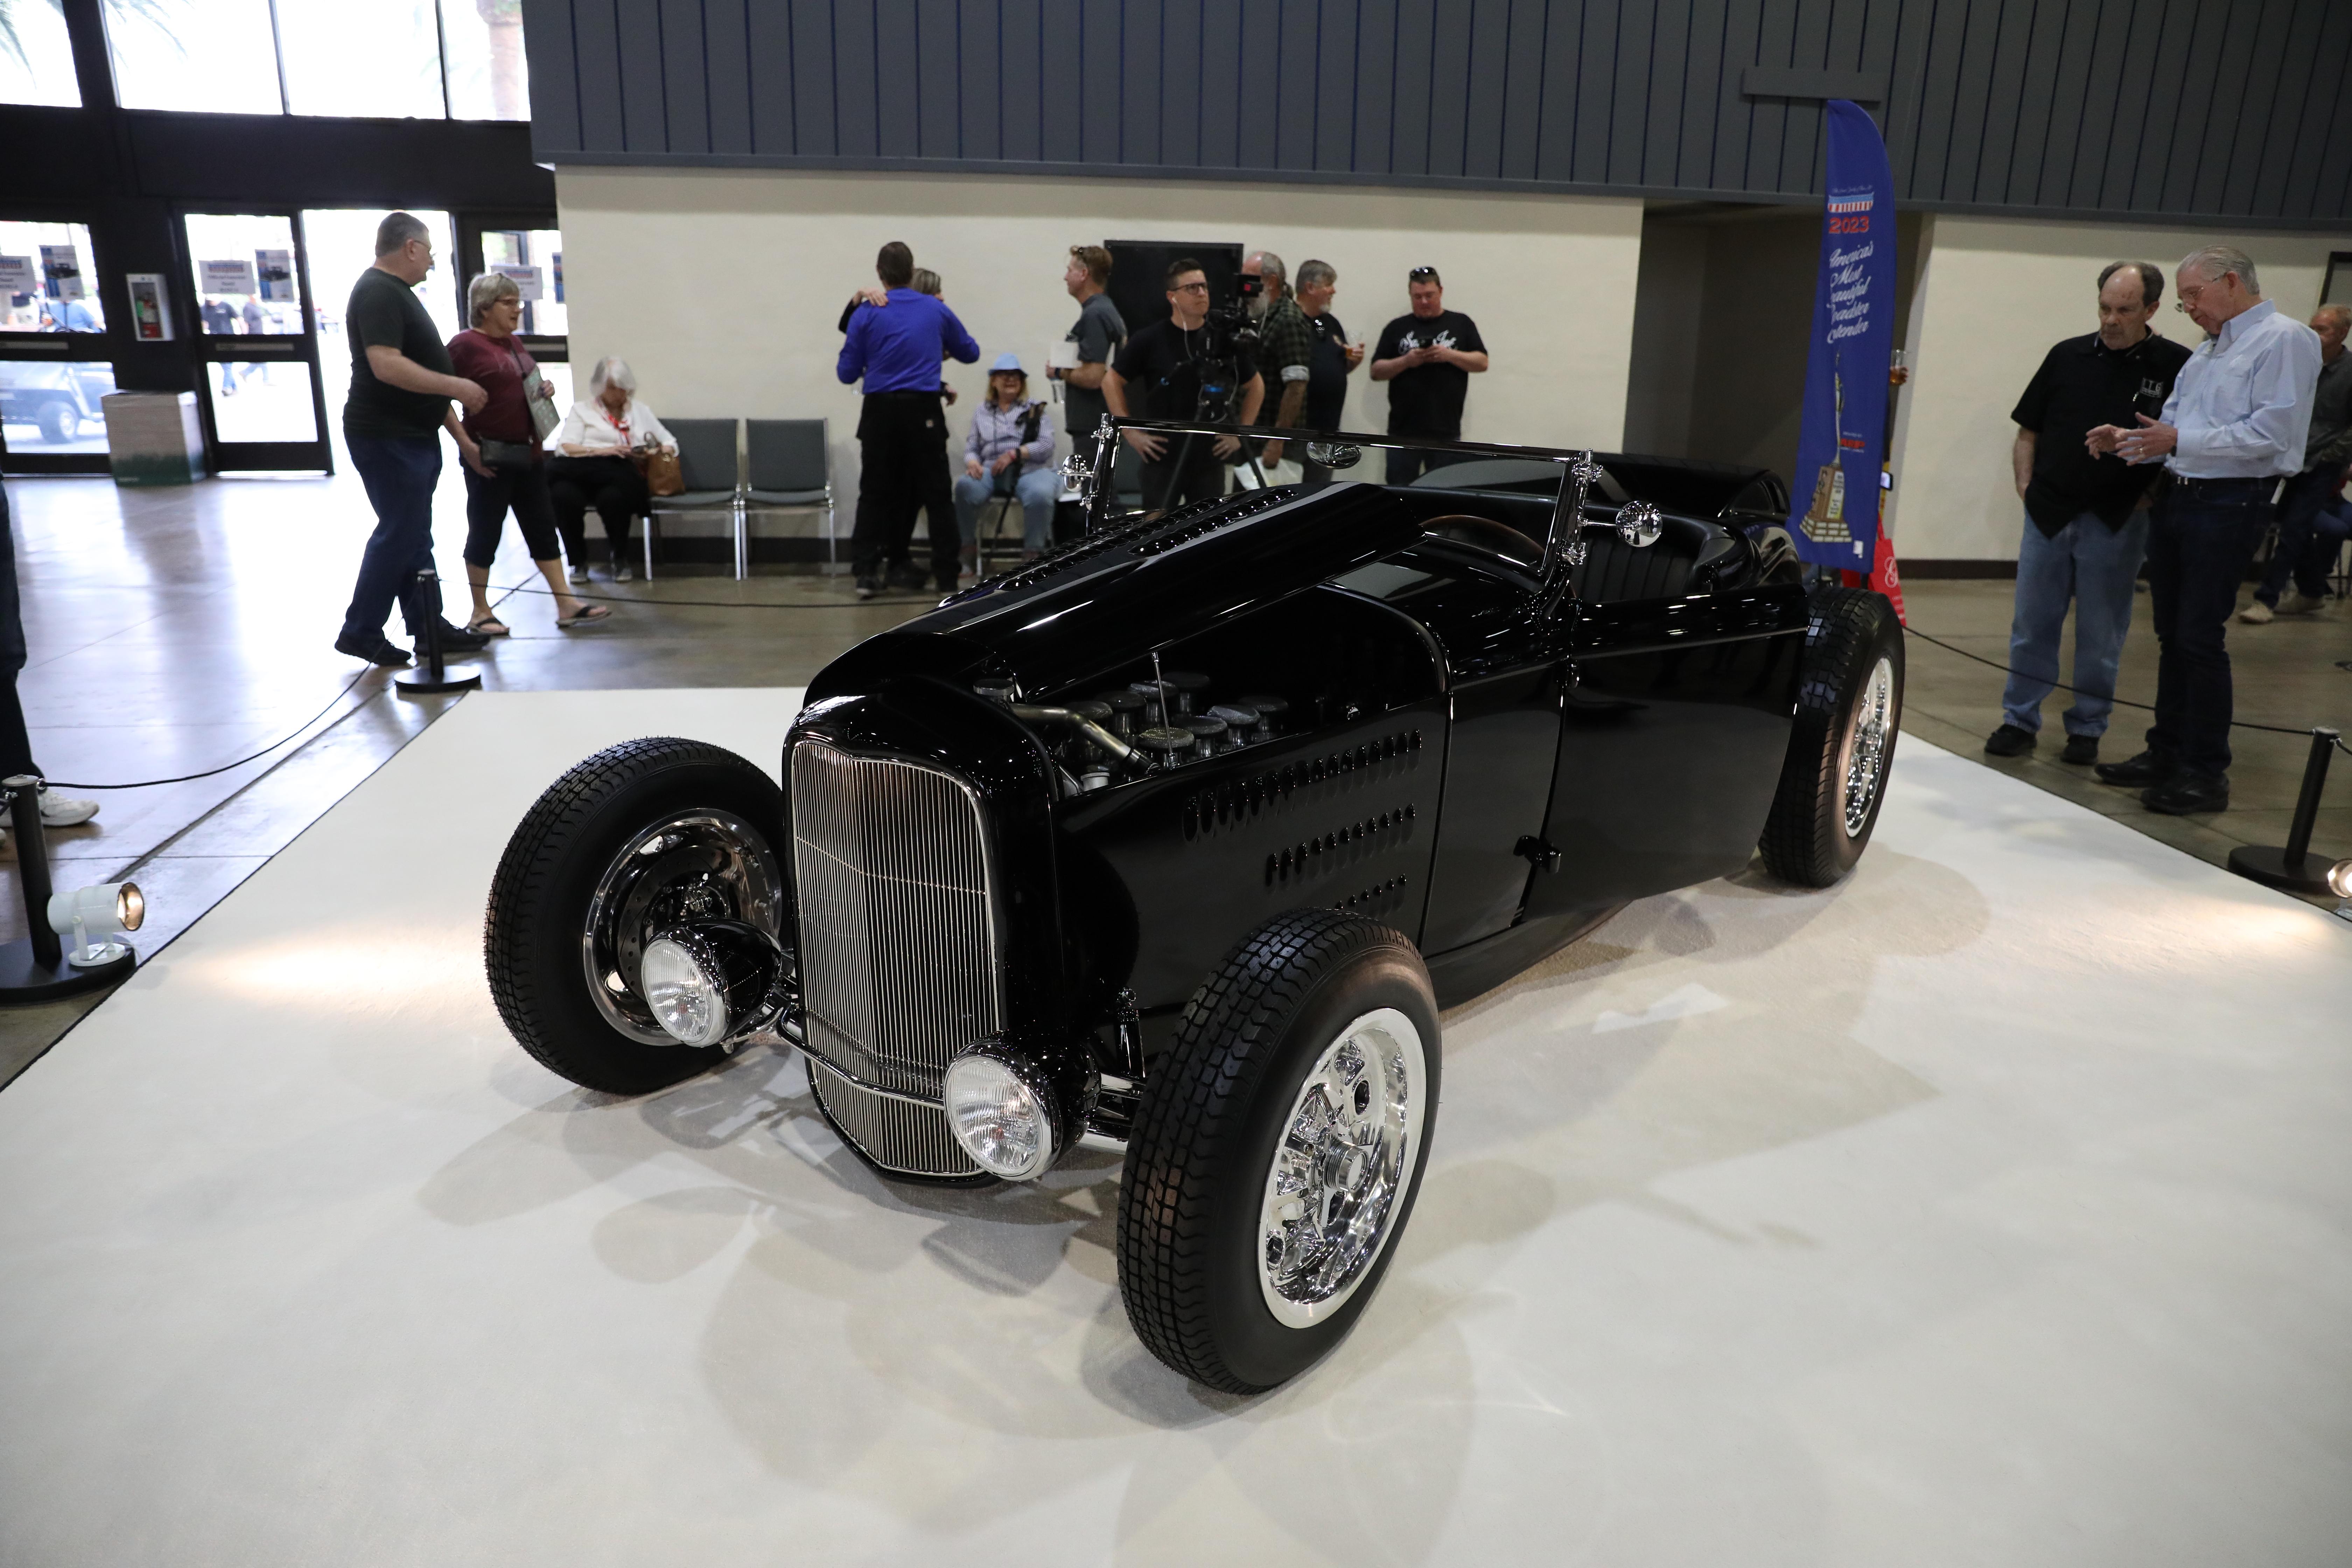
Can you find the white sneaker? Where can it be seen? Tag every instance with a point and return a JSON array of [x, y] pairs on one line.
[[2299, 603], [56, 810], [578, 573], [2256, 614], [622, 574]]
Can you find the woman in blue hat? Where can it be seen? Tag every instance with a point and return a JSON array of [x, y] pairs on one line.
[[1008, 456]]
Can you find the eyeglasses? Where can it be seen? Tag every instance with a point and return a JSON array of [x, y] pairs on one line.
[[1189, 289], [2188, 295], [1421, 275]]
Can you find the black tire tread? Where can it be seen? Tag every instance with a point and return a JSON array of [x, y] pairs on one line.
[[1196, 1093], [1844, 623], [520, 894]]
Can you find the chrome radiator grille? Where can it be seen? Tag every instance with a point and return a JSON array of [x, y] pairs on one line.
[[904, 1135], [899, 941]]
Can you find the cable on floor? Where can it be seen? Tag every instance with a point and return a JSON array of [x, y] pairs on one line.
[[2119, 702], [208, 772]]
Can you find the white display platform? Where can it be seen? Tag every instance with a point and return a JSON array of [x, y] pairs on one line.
[[1992, 1209]]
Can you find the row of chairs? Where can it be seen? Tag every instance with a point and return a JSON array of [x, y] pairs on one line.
[[739, 465]]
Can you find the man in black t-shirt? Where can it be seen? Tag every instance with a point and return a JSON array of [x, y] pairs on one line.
[[1427, 358], [401, 388], [2086, 516], [1159, 375]]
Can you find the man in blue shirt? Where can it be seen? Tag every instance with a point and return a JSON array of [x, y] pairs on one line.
[[902, 431], [2232, 430]]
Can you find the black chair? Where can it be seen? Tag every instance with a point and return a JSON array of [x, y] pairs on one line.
[[711, 467], [790, 463]]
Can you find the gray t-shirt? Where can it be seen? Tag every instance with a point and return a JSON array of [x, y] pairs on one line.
[[1098, 333]]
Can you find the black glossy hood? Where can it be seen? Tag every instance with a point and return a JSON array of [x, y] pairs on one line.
[[1135, 587]]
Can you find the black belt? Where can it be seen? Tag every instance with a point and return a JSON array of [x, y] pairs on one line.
[[2221, 486]]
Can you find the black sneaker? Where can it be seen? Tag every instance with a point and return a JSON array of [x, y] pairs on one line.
[[904, 579], [2138, 772], [379, 651], [456, 639], [869, 586], [2188, 795], [2010, 741], [2080, 750]]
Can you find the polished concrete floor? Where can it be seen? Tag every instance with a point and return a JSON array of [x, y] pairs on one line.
[[1953, 1215], [174, 629]]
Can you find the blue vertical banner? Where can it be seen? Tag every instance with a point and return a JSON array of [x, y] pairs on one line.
[[1835, 515]]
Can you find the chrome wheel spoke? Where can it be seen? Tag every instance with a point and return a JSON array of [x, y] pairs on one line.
[[1867, 736], [1347, 1149]]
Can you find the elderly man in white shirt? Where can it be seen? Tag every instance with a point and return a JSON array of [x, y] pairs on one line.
[[2231, 433]]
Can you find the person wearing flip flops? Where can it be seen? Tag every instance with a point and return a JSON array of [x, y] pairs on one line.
[[505, 466]]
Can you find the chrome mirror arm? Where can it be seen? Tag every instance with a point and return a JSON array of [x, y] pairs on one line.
[[1564, 547]]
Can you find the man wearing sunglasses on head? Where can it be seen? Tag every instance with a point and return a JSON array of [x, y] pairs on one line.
[[1427, 358]]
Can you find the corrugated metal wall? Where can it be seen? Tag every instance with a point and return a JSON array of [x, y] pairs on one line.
[[2187, 108]]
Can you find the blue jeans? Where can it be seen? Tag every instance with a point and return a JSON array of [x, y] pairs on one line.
[[400, 472], [2304, 549], [2199, 543], [2094, 566], [1037, 491]]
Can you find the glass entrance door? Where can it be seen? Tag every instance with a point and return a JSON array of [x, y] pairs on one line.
[[55, 359], [256, 359], [341, 246]]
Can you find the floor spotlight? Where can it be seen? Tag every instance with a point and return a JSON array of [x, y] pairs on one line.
[[91, 916], [37, 967]]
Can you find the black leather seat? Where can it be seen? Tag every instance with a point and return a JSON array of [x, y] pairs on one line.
[[1617, 573]]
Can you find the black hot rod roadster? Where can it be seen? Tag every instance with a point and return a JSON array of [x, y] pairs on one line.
[[1179, 839]]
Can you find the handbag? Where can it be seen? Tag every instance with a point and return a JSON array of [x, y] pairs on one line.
[[536, 397], [663, 475]]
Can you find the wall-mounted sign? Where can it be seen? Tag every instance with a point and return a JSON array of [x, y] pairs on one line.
[[276, 270], [18, 274], [62, 263], [234, 276], [527, 277], [151, 307]]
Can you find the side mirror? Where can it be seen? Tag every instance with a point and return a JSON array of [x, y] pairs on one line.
[[1639, 525]]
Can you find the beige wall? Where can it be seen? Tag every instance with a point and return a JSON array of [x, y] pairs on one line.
[[1997, 292], [721, 289]]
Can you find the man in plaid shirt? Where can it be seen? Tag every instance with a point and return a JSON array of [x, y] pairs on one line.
[[1285, 348]]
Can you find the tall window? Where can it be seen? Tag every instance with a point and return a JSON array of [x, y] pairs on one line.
[[381, 59], [35, 56], [48, 280], [218, 56], [391, 60]]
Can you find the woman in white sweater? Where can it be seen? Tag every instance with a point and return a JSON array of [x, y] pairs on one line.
[[594, 466]]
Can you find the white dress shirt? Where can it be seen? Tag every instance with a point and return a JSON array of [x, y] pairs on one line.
[[2242, 402], [591, 425]]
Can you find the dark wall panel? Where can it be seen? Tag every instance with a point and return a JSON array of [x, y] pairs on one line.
[[2177, 108]]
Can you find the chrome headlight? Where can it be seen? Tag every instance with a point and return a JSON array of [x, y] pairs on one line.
[[1002, 1115], [688, 998], [712, 984], [1016, 1108]]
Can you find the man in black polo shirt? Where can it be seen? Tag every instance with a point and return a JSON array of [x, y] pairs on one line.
[[2086, 516]]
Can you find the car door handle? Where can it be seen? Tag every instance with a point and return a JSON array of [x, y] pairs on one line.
[[1537, 853]]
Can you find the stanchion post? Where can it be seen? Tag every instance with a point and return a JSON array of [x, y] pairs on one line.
[[33, 864], [2306, 804], [428, 599], [2290, 868]]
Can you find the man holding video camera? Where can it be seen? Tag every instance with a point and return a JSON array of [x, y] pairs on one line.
[[1186, 367]]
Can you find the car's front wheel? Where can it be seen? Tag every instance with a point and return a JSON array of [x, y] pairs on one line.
[[642, 839], [1849, 712], [1278, 1149]]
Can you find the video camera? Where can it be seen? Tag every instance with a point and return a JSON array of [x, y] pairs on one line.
[[1230, 330]]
